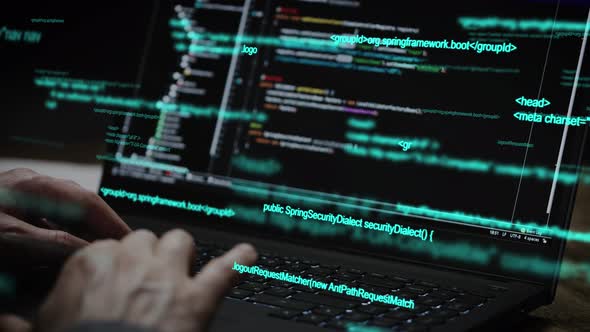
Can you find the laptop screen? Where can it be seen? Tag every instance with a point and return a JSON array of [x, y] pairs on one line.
[[445, 134]]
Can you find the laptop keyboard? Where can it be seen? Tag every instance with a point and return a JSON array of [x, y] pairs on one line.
[[435, 304]]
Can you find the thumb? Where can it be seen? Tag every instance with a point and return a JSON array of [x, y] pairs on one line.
[[13, 323]]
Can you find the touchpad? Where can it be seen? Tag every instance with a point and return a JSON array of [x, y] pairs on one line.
[[237, 315]]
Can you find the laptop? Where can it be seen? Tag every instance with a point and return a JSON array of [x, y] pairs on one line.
[[425, 151]]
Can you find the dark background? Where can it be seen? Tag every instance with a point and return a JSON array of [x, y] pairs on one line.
[[98, 40]]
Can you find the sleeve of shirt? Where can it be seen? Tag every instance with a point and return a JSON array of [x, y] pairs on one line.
[[99, 326]]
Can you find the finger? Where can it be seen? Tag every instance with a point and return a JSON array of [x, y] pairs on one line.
[[12, 323], [90, 260], [24, 245], [80, 283], [10, 224], [101, 220], [9, 178], [216, 278], [26, 203], [141, 242], [177, 249]]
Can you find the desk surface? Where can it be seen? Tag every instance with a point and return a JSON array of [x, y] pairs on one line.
[[569, 312], [571, 309]]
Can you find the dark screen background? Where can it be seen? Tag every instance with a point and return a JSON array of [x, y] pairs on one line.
[[97, 41]]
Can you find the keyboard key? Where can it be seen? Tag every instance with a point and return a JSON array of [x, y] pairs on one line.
[[356, 316], [453, 289], [325, 300], [296, 268], [251, 277], [279, 291], [377, 275], [302, 288], [383, 305], [318, 271], [262, 258], [460, 307], [326, 279], [470, 299], [371, 309], [429, 301], [416, 289], [253, 286], [279, 283], [443, 313], [285, 313], [389, 284], [312, 319], [340, 324], [195, 268], [405, 294], [346, 276], [375, 289], [332, 267], [336, 280], [418, 308], [383, 322], [354, 271], [272, 262], [428, 320], [399, 315], [443, 294], [282, 303], [414, 328], [426, 284], [237, 293], [216, 252], [328, 311], [309, 262], [348, 298], [400, 279], [271, 268]]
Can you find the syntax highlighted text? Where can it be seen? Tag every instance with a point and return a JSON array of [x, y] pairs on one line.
[[249, 50], [533, 102]]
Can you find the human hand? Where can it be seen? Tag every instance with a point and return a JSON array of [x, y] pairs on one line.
[[143, 281], [99, 220]]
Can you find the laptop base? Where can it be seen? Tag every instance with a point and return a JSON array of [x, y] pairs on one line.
[[510, 296]]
